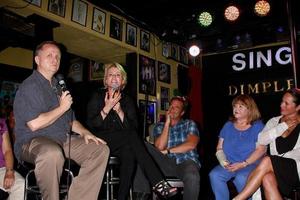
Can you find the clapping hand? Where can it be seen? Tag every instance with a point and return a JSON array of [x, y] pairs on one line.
[[111, 101]]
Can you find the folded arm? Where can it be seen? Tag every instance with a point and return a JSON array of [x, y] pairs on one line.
[[271, 131]]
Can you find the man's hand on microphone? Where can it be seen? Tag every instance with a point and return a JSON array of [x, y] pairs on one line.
[[65, 100]]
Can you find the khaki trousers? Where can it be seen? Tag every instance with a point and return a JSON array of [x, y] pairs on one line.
[[49, 157]]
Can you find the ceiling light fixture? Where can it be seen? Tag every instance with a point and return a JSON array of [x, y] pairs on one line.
[[205, 19], [232, 13], [194, 50], [262, 8]]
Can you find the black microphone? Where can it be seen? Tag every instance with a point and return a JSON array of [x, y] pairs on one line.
[[61, 82], [115, 88]]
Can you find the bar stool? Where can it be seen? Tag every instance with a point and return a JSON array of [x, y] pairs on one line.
[[111, 179], [296, 192], [31, 186]]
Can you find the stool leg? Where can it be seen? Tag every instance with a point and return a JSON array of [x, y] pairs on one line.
[[111, 184], [107, 185]]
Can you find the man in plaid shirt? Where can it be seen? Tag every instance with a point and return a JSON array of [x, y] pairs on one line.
[[175, 150]]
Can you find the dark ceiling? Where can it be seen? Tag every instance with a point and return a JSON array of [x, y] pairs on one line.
[[178, 19]]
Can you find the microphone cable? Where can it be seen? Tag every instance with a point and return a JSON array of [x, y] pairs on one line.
[[69, 156], [63, 87]]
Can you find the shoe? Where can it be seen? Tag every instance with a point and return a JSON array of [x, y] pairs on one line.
[[164, 190], [141, 196]]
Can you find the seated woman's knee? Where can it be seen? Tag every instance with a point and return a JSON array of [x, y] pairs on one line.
[[268, 180]]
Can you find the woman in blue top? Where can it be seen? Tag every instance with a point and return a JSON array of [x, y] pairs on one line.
[[237, 151]]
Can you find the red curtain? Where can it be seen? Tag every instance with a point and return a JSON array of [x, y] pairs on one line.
[[195, 98]]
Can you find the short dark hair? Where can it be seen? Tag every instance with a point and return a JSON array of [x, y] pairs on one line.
[[182, 99], [41, 45]]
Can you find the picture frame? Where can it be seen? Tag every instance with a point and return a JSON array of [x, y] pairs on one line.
[[99, 20], [163, 72], [145, 41], [75, 72], [115, 28], [174, 51], [8, 91], [166, 49], [147, 75], [151, 111], [37, 3], [164, 98], [57, 7], [183, 55], [79, 12], [131, 34], [96, 71]]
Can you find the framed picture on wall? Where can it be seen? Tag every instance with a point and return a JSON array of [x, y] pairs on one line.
[[115, 28], [183, 55], [166, 49], [145, 41], [147, 83], [164, 72], [79, 12], [96, 71], [174, 51], [131, 34], [164, 98], [8, 91], [57, 7], [99, 18], [76, 69], [35, 2], [151, 111]]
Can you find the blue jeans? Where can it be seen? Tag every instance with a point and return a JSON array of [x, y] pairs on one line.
[[219, 177]]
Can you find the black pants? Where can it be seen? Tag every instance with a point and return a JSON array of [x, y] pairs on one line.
[[130, 149]]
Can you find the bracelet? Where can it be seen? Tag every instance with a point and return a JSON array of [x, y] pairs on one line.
[[104, 112], [168, 151]]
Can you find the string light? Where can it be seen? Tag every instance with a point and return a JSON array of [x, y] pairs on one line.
[[262, 8], [232, 13], [205, 19], [194, 50]]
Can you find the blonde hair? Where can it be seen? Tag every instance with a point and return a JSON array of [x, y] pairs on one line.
[[120, 68], [250, 104]]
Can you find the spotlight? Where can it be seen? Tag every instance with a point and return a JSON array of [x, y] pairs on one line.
[[205, 19], [194, 50], [262, 8], [232, 13]]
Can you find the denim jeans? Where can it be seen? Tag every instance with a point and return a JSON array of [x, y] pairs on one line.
[[219, 177]]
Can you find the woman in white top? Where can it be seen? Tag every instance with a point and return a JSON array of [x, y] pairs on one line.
[[279, 172]]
